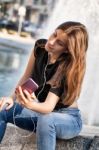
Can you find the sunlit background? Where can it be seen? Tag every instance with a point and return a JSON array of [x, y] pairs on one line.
[[21, 23], [24, 21]]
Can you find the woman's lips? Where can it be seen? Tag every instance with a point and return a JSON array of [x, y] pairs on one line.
[[50, 46]]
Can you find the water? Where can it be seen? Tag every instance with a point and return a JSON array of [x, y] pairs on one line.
[[87, 12], [13, 61]]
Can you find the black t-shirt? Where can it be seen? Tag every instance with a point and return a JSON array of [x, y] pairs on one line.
[[41, 56]]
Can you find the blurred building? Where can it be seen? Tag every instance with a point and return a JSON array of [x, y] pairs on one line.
[[25, 15], [6, 8], [37, 10]]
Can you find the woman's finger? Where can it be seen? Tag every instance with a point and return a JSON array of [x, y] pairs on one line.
[[33, 96], [9, 106], [28, 95], [0, 101], [19, 98], [21, 95], [3, 103]]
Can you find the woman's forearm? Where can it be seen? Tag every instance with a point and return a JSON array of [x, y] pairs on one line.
[[28, 71], [40, 107], [43, 107]]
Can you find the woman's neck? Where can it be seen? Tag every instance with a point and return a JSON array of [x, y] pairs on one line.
[[52, 58]]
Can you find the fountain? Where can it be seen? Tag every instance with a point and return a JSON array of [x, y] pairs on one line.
[[87, 13]]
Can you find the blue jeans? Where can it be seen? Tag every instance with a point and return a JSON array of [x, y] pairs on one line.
[[65, 123]]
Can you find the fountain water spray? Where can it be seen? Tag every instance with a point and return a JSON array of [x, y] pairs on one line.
[[87, 13]]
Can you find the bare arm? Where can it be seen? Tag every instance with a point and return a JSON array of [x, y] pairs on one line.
[[28, 71], [10, 100], [45, 107]]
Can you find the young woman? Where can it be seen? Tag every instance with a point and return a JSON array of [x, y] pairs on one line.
[[57, 65]]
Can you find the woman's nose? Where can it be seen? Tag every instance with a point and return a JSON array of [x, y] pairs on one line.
[[52, 42]]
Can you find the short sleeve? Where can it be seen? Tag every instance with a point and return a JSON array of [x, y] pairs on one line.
[[57, 90], [39, 47]]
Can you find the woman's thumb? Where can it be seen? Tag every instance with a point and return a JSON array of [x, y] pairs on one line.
[[9, 106]]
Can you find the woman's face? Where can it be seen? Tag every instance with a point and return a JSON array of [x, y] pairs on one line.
[[56, 43]]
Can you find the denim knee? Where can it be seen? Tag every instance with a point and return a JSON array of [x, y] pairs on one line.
[[45, 122], [46, 135], [3, 116]]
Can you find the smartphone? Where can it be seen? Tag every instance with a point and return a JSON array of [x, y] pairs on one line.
[[30, 85]]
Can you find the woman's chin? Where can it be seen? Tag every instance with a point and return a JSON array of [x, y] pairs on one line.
[[47, 48]]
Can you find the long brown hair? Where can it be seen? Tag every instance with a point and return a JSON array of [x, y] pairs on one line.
[[73, 68]]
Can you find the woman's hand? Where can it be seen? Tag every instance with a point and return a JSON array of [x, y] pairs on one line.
[[24, 97], [6, 101]]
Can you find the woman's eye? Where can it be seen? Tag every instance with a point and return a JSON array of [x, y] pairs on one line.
[[55, 34], [60, 44]]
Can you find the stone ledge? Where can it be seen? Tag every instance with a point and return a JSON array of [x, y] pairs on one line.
[[95, 143], [13, 141]]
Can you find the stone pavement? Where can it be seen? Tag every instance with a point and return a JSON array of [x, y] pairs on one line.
[[85, 141]]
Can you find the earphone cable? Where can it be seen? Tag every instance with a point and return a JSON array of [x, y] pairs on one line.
[[37, 98]]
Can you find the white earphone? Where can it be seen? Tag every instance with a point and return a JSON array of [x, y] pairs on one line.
[[37, 98]]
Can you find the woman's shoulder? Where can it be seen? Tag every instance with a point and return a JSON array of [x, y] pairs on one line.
[[40, 42], [39, 47]]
